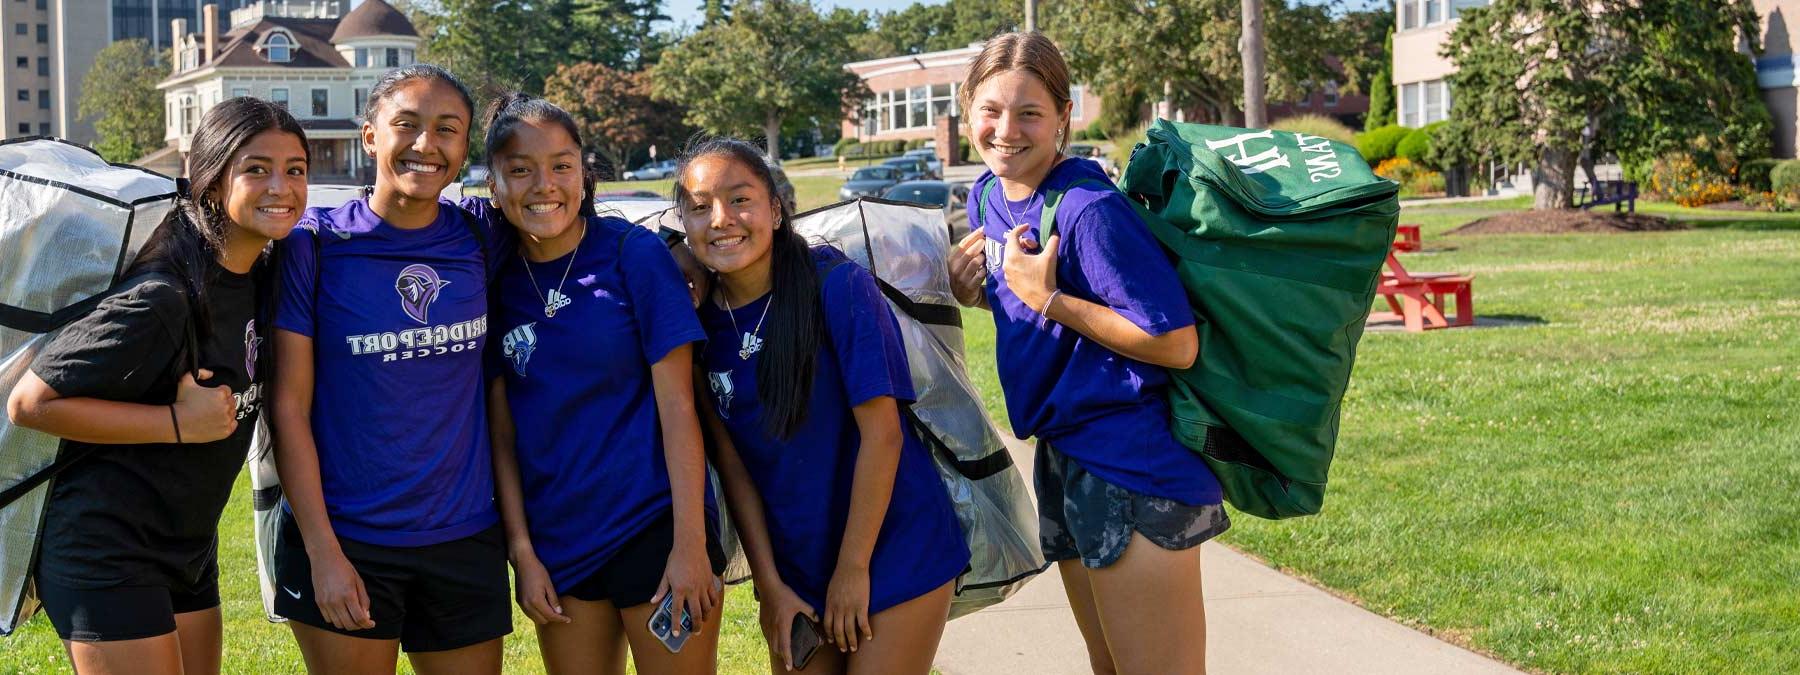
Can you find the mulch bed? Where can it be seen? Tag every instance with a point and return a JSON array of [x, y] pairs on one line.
[[1567, 221]]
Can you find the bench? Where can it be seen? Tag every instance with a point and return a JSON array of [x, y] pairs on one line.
[[1417, 298], [1615, 192], [1406, 238]]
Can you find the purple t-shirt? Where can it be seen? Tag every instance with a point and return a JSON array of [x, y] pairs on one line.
[[588, 439], [398, 320], [805, 481], [1106, 411]]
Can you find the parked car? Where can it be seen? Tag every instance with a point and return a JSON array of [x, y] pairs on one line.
[[911, 168], [652, 171], [931, 159], [476, 175], [950, 197], [869, 182]]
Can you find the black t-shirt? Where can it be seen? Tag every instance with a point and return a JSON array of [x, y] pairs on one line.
[[148, 514]]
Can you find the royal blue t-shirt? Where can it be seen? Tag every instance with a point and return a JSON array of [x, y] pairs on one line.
[[398, 320], [805, 481], [588, 439], [1106, 411]]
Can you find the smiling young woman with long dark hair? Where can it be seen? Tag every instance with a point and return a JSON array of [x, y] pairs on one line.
[[128, 572], [842, 515], [597, 452]]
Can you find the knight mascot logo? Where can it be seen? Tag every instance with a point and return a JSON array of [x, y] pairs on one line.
[[418, 287], [722, 389], [518, 345]]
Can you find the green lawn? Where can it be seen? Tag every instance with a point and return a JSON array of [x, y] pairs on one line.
[[1607, 487]]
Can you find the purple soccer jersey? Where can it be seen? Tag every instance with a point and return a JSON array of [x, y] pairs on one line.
[[398, 320], [578, 384], [805, 480], [1065, 388]]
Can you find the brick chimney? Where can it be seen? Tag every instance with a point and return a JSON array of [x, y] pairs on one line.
[[177, 30], [209, 22]]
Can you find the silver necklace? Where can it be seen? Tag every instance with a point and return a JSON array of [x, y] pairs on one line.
[[555, 300], [751, 344]]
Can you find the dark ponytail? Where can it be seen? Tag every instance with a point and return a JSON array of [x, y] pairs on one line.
[[187, 241], [784, 374]]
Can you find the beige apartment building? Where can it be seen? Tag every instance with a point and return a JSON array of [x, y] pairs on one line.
[[1423, 93], [913, 92], [49, 47]]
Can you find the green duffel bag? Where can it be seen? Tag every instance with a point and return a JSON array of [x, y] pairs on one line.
[[1279, 239]]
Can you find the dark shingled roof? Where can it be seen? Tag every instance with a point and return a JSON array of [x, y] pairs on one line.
[[238, 47], [371, 18]]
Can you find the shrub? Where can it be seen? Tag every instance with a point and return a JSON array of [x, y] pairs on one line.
[[1379, 145], [1416, 147], [1316, 125], [846, 147], [1095, 133], [1679, 178], [915, 144], [1766, 201], [1397, 169], [1784, 179], [1753, 175]]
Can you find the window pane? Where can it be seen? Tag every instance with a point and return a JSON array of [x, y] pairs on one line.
[[1446, 85], [1409, 14], [1457, 6], [920, 116], [44, 66], [44, 99], [939, 108], [279, 97], [1077, 109], [1434, 11], [321, 102], [362, 101], [940, 91], [25, 129], [393, 57], [1434, 102], [362, 57], [239, 91], [43, 128], [1409, 105]]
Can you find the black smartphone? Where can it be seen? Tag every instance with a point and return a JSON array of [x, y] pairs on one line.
[[663, 621], [804, 640]]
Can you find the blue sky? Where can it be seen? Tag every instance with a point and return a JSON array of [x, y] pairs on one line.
[[688, 11]]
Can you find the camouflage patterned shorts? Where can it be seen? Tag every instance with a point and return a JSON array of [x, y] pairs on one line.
[[1082, 516]]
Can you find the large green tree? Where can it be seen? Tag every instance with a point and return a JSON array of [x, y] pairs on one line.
[[924, 28], [1559, 84], [1191, 47], [119, 94], [504, 44], [773, 65]]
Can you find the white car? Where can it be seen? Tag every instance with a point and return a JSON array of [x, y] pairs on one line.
[[652, 171]]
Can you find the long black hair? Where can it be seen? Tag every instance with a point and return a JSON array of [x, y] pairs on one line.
[[784, 375], [502, 120], [187, 241]]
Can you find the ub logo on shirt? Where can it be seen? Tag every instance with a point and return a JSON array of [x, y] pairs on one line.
[[722, 390], [250, 343], [995, 252], [418, 286], [518, 345]]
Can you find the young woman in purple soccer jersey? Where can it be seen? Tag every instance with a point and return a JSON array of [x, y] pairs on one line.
[[128, 572], [842, 515], [1085, 325], [597, 448], [390, 539]]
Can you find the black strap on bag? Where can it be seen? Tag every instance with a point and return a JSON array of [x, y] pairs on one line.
[[189, 351]]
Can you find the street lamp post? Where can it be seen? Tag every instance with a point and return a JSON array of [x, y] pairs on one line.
[[1030, 15], [1250, 46]]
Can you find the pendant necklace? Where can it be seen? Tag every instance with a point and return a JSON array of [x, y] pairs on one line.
[[751, 343], [555, 300]]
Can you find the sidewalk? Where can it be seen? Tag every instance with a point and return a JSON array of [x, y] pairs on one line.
[[1258, 621]]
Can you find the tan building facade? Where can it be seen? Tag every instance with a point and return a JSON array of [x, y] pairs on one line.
[[912, 92], [49, 47], [1778, 71]]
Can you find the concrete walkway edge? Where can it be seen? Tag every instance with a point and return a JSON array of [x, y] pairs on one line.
[[1258, 621]]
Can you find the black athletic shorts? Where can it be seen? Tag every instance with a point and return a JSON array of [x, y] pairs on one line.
[[1081, 516], [431, 598], [125, 612], [631, 577]]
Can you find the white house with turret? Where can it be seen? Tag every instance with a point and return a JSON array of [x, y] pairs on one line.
[[313, 57]]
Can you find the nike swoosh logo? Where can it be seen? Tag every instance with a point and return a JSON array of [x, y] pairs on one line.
[[294, 594]]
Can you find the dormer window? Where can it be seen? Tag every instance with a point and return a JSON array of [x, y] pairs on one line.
[[278, 47]]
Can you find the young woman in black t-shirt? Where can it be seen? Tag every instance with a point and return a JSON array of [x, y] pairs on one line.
[[128, 568]]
